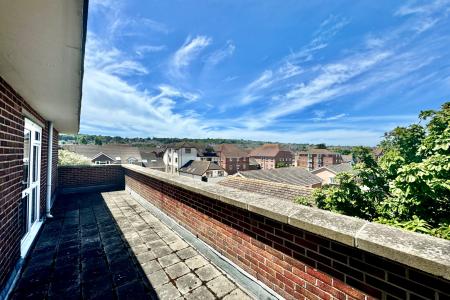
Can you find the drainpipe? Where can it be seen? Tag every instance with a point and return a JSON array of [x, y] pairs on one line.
[[49, 170]]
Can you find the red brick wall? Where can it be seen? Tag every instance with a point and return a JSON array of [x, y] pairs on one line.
[[90, 176], [55, 161], [295, 263], [12, 124]]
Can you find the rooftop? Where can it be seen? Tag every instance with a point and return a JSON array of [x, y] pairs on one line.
[[267, 150], [112, 150], [291, 175], [199, 167], [338, 168], [230, 150], [317, 151], [107, 245], [283, 191]]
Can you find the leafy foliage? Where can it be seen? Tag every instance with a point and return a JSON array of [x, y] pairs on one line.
[[408, 187], [68, 158], [304, 200]]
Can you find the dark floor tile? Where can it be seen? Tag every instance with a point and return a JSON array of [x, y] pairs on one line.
[[123, 276], [98, 288], [132, 290]]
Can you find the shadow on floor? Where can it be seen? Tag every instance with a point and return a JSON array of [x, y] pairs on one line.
[[81, 253]]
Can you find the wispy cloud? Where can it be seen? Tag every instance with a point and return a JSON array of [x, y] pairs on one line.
[[331, 118], [136, 110], [187, 53], [221, 54], [141, 50]]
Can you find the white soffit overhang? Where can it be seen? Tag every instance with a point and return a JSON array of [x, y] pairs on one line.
[[42, 55]]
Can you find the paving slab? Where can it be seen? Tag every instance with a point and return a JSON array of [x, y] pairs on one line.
[[108, 246]]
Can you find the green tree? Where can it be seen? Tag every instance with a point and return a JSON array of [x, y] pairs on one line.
[[98, 140], [409, 186]]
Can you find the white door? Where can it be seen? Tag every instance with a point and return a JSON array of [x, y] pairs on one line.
[[31, 183]]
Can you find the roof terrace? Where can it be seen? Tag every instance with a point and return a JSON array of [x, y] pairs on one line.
[[164, 236]]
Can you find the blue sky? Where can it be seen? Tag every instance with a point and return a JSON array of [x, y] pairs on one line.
[[338, 72]]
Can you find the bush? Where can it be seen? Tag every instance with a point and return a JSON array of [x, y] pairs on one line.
[[68, 158], [408, 187]]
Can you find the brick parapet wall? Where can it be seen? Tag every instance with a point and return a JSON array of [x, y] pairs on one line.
[[12, 122], [296, 263], [77, 178]]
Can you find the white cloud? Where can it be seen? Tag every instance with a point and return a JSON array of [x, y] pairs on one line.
[[187, 53], [114, 106], [331, 118], [221, 54], [143, 49]]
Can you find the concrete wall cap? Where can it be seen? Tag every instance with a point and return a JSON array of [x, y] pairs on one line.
[[420, 251]]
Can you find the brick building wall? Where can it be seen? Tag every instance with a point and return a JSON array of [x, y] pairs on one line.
[[315, 161], [77, 177], [295, 263], [234, 164], [12, 122]]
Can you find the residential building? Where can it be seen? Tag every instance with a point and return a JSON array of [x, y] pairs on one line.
[[202, 170], [177, 155], [41, 70], [328, 173], [152, 160], [253, 164], [316, 158], [268, 156], [232, 158], [108, 153], [207, 154], [290, 175], [347, 158]]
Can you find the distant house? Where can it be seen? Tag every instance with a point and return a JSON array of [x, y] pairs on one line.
[[347, 158], [232, 158], [208, 155], [202, 170], [269, 155], [328, 173], [151, 160], [292, 175], [253, 164], [107, 154], [177, 155], [317, 158]]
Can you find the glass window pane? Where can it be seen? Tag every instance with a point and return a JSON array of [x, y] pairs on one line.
[[33, 205], [35, 163], [26, 158], [37, 136], [24, 214]]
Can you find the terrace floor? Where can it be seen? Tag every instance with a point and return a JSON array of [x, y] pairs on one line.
[[107, 246]]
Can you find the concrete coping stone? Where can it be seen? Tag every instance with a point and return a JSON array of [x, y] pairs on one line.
[[420, 251]]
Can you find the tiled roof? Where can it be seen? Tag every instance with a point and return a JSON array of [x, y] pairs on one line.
[[230, 150], [182, 145], [152, 161], [347, 158], [273, 189], [269, 150], [112, 150], [317, 151], [344, 167], [199, 167], [292, 175]]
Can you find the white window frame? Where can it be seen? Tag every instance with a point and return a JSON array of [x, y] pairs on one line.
[[30, 235]]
